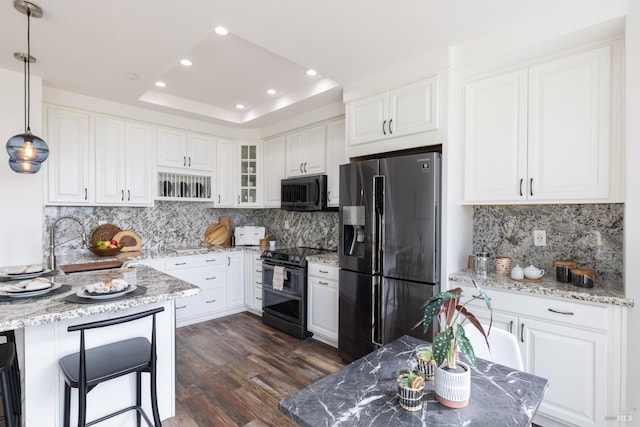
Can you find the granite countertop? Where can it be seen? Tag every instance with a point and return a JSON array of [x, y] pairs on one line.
[[365, 393], [161, 287], [328, 259], [612, 295]]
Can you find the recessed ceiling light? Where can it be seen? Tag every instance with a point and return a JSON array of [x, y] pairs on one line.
[[132, 76], [186, 62], [222, 31], [311, 72], [161, 84], [271, 91], [240, 106]]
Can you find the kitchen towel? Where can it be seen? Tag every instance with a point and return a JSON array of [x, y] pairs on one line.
[[278, 278]]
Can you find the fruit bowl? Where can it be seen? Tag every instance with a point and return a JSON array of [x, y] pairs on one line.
[[105, 251]]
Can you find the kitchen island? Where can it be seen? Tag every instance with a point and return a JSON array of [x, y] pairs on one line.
[[42, 339], [365, 393]]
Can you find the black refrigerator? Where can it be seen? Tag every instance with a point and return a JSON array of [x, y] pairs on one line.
[[389, 249]]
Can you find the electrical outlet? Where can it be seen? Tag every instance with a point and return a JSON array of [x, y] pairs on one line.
[[539, 238], [286, 225]]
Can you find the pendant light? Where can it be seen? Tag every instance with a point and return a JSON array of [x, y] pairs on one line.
[[27, 151]]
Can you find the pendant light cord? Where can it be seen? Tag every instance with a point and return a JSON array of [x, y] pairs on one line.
[[24, 60], [28, 70]]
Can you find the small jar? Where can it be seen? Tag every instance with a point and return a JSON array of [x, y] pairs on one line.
[[583, 277], [563, 269]]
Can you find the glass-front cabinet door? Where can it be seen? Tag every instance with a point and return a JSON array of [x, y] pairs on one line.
[[250, 174]]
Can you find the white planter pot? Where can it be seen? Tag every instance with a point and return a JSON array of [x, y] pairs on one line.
[[453, 388]]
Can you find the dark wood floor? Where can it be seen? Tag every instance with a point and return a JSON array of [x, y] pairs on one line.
[[233, 372]]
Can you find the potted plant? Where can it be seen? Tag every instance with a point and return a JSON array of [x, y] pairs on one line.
[[452, 376], [410, 390], [272, 241]]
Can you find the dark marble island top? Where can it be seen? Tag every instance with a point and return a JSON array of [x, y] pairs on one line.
[[365, 393]]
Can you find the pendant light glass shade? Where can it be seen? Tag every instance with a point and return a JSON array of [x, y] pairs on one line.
[[27, 151]]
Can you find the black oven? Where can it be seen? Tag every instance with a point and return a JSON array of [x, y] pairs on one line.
[[285, 308]]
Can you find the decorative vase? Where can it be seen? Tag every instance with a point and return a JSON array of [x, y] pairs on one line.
[[453, 388], [410, 397], [426, 364], [272, 244]]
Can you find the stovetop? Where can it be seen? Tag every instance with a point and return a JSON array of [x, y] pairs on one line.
[[294, 256]]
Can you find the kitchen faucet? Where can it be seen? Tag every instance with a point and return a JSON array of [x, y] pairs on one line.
[[52, 239]]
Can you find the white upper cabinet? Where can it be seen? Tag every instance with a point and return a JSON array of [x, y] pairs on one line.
[[336, 156], [250, 176], [225, 173], [179, 149], [274, 172], [402, 111], [123, 162], [305, 151], [543, 134], [70, 148]]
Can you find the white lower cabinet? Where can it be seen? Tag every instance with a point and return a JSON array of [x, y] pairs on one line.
[[575, 345], [219, 276], [253, 283], [322, 303]]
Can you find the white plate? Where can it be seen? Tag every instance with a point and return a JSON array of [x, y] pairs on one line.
[[27, 294], [36, 284], [23, 276], [82, 294], [25, 269]]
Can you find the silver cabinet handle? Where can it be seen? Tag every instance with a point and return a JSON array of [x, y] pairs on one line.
[[128, 195], [258, 271], [329, 196], [305, 167], [522, 332], [218, 198], [210, 301], [531, 186], [323, 283], [384, 132], [521, 180], [179, 263], [301, 168], [238, 199], [567, 313], [228, 261], [323, 271], [259, 298], [259, 283], [189, 161], [210, 260], [181, 307], [122, 195], [210, 278], [85, 193], [184, 160], [390, 131], [511, 327]]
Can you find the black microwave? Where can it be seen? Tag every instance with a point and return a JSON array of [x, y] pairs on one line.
[[304, 193]]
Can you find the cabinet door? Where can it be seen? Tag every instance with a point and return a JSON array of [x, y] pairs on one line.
[[110, 166], [172, 148], [274, 170], [200, 152], [313, 155], [68, 165], [569, 127], [294, 149], [413, 108], [495, 126], [225, 173], [367, 117], [139, 167], [250, 177], [336, 156], [235, 280], [574, 362], [323, 307]]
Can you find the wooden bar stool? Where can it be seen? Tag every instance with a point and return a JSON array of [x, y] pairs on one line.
[[10, 385], [88, 368]]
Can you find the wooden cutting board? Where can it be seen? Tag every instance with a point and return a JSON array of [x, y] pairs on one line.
[[215, 234], [130, 240]]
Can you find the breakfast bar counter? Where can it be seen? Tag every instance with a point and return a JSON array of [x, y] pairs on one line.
[[365, 393], [40, 324]]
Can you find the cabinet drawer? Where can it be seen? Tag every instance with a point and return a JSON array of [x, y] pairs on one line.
[[257, 297], [207, 301], [322, 270], [318, 281], [552, 309], [180, 263]]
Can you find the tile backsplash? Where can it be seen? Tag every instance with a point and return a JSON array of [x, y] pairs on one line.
[[178, 224], [590, 234]]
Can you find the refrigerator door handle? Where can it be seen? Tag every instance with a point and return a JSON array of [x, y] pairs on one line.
[[377, 328], [378, 210]]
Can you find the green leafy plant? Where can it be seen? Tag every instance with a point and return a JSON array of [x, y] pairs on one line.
[[451, 315]]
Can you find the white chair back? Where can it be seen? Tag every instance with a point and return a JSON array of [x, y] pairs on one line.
[[504, 346]]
